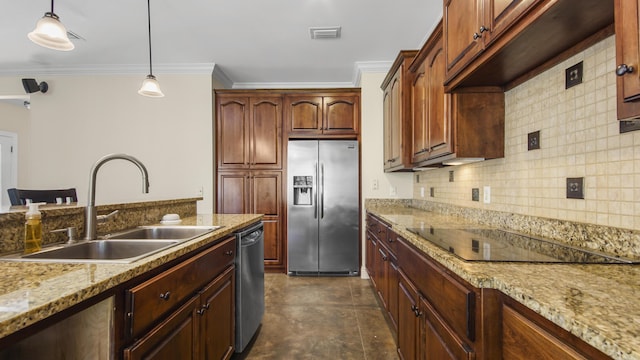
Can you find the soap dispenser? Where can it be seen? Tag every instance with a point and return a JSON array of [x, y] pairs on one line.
[[33, 229]]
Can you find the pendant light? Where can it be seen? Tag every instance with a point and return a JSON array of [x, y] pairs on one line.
[[50, 33], [150, 86]]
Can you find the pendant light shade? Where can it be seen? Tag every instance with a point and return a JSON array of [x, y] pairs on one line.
[[150, 86], [50, 33]]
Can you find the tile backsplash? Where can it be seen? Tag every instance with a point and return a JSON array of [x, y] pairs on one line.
[[579, 138]]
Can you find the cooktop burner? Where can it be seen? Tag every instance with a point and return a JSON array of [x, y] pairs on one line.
[[497, 245]]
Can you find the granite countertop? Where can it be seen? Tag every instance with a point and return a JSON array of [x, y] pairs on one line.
[[33, 291], [597, 303]]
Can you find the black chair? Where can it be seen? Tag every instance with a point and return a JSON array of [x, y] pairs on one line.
[[19, 196]]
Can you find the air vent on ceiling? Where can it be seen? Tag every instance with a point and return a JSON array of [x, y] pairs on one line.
[[329, 32]]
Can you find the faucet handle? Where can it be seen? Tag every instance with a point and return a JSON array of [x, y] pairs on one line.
[[72, 233], [104, 218]]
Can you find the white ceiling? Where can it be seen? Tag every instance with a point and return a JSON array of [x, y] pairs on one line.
[[254, 43]]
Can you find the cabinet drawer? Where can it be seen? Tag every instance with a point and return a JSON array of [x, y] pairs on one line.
[[377, 228], [155, 297], [455, 302]]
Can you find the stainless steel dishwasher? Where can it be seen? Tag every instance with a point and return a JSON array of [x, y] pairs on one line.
[[249, 284]]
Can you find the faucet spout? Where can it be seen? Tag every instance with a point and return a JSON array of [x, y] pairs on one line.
[[91, 213]]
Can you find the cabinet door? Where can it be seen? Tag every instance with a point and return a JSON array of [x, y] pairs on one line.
[[392, 289], [386, 115], [419, 114], [232, 126], [437, 341], [462, 19], [217, 317], [265, 140], [341, 114], [502, 14], [233, 192], [438, 115], [303, 114], [407, 318], [371, 250], [393, 126], [267, 199], [382, 273], [174, 338], [628, 54]]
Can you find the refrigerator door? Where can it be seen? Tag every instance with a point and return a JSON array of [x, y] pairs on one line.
[[338, 206], [302, 228]]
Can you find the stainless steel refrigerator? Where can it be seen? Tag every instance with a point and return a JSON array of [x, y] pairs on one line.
[[323, 207]]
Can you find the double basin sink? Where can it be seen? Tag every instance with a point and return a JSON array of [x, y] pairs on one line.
[[123, 247]]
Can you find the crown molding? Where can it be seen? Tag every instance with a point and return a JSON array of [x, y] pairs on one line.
[[292, 85], [116, 69], [222, 77], [361, 67]]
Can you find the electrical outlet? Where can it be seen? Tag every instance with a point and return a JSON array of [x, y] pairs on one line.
[[486, 194], [475, 194], [374, 184], [575, 188], [432, 192], [451, 176], [533, 140], [393, 191], [421, 191], [573, 75]]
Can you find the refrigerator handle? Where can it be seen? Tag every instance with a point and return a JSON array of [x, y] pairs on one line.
[[315, 209], [321, 190]]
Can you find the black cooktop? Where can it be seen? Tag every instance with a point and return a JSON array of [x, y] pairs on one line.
[[497, 245]]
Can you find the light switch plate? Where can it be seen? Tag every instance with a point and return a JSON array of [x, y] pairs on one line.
[[486, 194], [573, 75]]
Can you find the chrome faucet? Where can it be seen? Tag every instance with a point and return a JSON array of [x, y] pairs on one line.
[[91, 217]]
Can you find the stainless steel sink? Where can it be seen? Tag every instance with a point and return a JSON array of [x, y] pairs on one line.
[[162, 232], [123, 247], [103, 250]]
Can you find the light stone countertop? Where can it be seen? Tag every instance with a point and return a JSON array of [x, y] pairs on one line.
[[598, 303], [33, 291]]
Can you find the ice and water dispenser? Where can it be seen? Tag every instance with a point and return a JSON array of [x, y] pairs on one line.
[[302, 190]]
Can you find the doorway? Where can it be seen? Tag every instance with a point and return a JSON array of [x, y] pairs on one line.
[[8, 165]]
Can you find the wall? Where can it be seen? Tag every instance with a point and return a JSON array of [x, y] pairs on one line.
[[372, 150], [82, 118], [579, 138]]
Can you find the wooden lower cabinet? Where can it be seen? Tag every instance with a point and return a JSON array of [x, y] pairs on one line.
[[187, 311], [174, 338], [440, 316], [257, 192]]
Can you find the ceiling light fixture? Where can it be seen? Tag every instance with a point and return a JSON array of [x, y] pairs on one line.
[[50, 33], [150, 86]]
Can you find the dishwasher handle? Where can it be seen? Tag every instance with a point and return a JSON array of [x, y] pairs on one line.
[[251, 238]]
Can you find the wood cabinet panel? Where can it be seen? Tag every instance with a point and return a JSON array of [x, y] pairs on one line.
[[407, 318], [397, 114], [322, 114], [232, 131], [303, 113], [371, 248], [217, 316], [249, 131], [462, 19], [501, 14], [440, 342], [175, 338], [257, 192], [155, 297], [627, 26]]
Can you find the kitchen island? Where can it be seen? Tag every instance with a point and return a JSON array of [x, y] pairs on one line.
[[31, 293], [596, 303]]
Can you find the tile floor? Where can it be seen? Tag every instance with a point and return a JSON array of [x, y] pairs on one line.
[[321, 318]]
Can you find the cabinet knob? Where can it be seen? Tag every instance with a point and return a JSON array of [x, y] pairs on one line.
[[476, 36], [483, 29], [200, 312], [165, 296], [230, 252], [624, 69]]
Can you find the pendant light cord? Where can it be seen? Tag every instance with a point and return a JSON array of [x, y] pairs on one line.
[[149, 21], [52, 6]]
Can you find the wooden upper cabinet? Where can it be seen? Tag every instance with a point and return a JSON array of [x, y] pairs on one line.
[[249, 131], [628, 58], [396, 89], [318, 114], [463, 21], [500, 42], [431, 128]]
